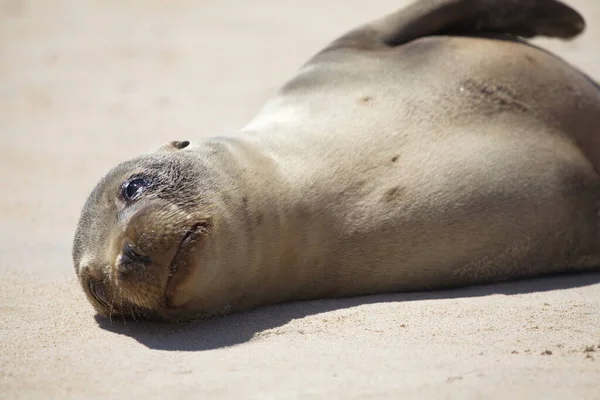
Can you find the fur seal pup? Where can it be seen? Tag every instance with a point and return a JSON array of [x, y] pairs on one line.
[[432, 148]]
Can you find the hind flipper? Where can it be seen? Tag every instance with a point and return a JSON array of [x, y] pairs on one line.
[[525, 18]]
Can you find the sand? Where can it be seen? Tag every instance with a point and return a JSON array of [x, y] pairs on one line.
[[86, 84]]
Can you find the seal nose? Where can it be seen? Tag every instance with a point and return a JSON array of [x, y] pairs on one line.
[[130, 258]]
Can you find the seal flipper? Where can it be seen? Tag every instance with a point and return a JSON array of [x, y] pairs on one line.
[[525, 18]]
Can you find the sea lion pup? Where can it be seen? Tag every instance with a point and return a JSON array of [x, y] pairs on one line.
[[429, 149]]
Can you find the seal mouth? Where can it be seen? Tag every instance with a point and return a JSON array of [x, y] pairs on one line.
[[175, 272]]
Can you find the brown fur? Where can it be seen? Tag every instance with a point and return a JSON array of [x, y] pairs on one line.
[[428, 149]]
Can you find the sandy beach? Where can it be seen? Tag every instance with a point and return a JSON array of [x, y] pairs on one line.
[[87, 84]]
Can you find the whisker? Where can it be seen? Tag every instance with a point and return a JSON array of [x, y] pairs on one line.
[[111, 307], [132, 313]]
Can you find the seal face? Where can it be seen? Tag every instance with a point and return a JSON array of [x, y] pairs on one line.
[[429, 149], [126, 264]]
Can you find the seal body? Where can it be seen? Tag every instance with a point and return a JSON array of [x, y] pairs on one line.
[[398, 159]]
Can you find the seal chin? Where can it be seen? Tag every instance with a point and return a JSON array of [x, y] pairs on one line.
[[182, 265]]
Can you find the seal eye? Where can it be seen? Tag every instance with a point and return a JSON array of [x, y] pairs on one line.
[[98, 291], [133, 188]]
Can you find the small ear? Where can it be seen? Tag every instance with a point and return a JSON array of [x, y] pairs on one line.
[[525, 18], [174, 145]]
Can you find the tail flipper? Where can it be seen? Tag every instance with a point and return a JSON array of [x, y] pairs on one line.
[[525, 18]]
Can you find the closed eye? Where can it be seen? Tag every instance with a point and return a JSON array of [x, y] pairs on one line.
[[98, 291]]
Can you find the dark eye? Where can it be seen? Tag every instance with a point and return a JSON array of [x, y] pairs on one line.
[[133, 188], [98, 291]]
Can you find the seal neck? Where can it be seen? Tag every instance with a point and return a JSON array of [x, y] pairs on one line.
[[267, 244]]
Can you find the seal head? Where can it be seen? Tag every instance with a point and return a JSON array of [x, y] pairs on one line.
[[141, 231]]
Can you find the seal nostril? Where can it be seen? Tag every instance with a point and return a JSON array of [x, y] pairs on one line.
[[130, 256]]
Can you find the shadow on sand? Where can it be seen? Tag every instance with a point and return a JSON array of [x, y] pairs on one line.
[[239, 328]]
